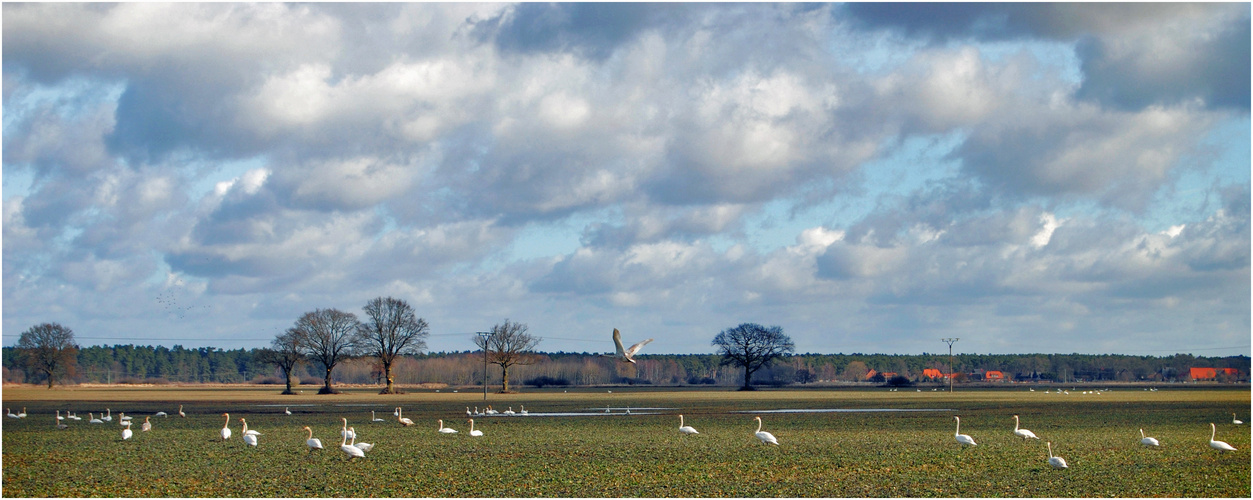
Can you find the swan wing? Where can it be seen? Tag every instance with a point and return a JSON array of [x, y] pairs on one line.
[[617, 343], [636, 348], [314, 443], [352, 451]]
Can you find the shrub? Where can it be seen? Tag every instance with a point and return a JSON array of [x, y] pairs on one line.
[[900, 381], [544, 380]]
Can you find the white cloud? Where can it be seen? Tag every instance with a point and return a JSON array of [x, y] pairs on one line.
[[401, 149]]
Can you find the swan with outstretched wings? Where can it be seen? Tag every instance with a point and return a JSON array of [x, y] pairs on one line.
[[626, 355]]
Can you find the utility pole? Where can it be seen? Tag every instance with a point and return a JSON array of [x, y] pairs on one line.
[[950, 361], [484, 336]]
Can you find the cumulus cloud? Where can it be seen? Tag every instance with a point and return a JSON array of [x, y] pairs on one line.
[[266, 159]]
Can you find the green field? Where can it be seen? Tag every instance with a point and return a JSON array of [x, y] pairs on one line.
[[832, 454]]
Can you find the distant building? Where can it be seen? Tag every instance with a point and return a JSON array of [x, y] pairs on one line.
[[991, 375], [1212, 373], [932, 373]]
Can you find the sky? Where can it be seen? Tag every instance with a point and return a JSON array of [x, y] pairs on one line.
[[1026, 177]]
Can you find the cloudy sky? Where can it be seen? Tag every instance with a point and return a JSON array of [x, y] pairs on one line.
[[871, 177]]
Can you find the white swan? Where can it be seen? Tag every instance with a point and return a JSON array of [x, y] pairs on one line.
[[60, 425], [374, 418], [474, 432], [313, 443], [160, 414], [93, 420], [23, 414], [523, 410], [686, 429], [360, 446], [1218, 445], [446, 430], [108, 415], [1023, 433], [147, 425], [508, 412], [226, 428], [765, 437], [468, 414], [247, 431], [962, 438], [76, 417], [352, 451], [59, 417], [1148, 441], [14, 415], [250, 437], [403, 421], [287, 410], [1234, 421], [1056, 462], [345, 432], [180, 411], [622, 354], [126, 433]]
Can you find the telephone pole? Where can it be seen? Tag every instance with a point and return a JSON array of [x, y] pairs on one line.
[[950, 361], [484, 336]]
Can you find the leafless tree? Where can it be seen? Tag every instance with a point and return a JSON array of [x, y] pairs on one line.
[[509, 344], [49, 348], [391, 329], [328, 337], [753, 347], [285, 353]]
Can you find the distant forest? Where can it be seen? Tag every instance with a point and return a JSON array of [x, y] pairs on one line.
[[130, 364]]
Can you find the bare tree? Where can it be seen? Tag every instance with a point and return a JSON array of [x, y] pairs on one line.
[[50, 349], [285, 353], [328, 337], [509, 344], [391, 329], [753, 347]]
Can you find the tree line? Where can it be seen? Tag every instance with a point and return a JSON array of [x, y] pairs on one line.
[[177, 364]]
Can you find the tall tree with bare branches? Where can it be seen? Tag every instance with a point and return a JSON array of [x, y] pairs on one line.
[[391, 329], [49, 348], [285, 353], [327, 336], [509, 344], [753, 347]]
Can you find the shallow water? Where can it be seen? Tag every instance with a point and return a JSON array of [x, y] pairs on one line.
[[844, 410]]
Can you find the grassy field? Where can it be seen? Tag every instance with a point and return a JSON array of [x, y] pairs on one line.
[[830, 454]]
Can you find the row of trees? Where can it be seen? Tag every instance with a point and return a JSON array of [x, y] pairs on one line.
[[747, 354], [328, 337]]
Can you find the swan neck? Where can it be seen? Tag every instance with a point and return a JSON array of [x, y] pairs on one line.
[[759, 425]]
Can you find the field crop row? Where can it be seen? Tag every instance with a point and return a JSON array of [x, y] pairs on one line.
[[846, 454]]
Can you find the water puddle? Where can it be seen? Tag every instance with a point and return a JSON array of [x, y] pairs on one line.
[[845, 410]]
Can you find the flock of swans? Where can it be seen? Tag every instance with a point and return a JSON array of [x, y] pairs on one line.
[[1060, 463]]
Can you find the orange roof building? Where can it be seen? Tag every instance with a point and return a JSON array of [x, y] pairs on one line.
[[993, 375], [1211, 373], [932, 373]]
